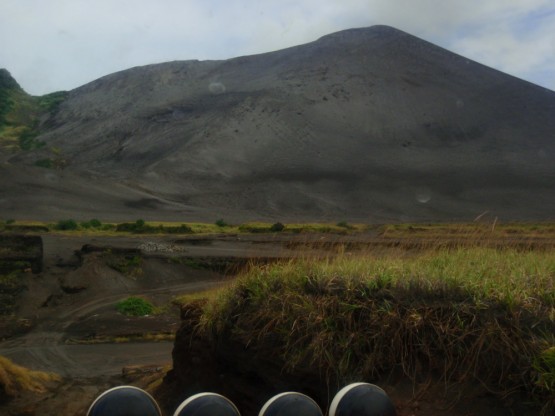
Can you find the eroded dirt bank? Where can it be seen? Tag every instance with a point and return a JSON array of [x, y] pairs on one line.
[[251, 373]]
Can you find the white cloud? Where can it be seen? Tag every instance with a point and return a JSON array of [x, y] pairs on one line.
[[523, 45], [61, 44]]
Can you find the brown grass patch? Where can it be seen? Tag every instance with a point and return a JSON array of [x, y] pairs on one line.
[[15, 379]]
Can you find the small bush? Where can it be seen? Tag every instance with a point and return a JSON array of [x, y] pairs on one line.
[[221, 223], [94, 223], [345, 224], [277, 227], [135, 306], [66, 225], [133, 227], [181, 229]]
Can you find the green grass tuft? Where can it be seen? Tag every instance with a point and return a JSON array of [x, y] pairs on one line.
[[135, 306], [65, 225]]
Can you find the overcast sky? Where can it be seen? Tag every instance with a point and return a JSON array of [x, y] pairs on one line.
[[50, 45]]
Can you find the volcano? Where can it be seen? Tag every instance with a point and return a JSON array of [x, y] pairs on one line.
[[369, 125]]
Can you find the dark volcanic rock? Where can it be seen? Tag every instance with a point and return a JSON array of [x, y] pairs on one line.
[[366, 124]]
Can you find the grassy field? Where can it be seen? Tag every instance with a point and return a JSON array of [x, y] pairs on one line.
[[430, 234], [467, 315], [139, 226]]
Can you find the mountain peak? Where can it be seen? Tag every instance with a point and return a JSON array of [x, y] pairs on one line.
[[364, 32]]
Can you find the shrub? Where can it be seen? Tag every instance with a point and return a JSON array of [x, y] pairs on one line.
[[66, 225], [135, 306], [277, 227], [345, 224], [133, 227], [94, 223], [221, 223], [181, 229]]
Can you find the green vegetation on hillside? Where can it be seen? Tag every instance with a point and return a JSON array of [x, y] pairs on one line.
[[7, 85], [472, 315], [20, 114]]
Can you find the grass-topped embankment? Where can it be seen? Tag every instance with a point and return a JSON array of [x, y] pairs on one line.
[[460, 316], [471, 231], [95, 226], [417, 235]]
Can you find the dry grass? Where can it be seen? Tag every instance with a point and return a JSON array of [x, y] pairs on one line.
[[15, 379], [474, 315], [208, 295]]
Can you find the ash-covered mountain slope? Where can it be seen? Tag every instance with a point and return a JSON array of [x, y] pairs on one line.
[[365, 124]]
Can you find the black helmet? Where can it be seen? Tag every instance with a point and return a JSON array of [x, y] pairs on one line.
[[362, 399], [290, 404], [124, 401], [207, 404]]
